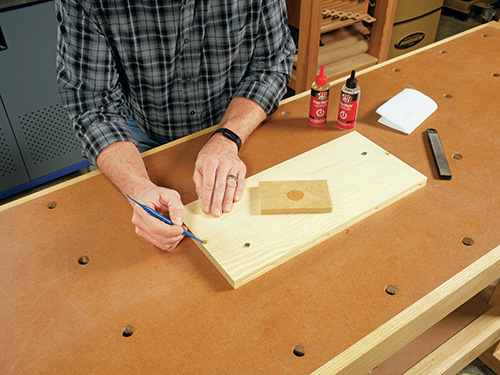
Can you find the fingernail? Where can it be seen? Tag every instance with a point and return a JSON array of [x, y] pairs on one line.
[[177, 220], [227, 208], [206, 209], [237, 198], [217, 212]]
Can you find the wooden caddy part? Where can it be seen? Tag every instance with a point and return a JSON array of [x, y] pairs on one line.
[[294, 197], [362, 178]]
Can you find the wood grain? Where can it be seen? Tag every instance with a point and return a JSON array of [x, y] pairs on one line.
[[362, 178]]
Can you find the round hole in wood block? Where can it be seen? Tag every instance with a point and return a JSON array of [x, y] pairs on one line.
[[485, 35], [247, 244], [467, 241], [295, 195], [299, 350], [457, 156], [364, 153], [391, 290], [443, 52], [496, 75], [397, 70], [286, 113], [51, 205], [84, 260], [448, 96], [128, 331]]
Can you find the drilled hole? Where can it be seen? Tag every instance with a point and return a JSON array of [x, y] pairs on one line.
[[443, 52], [457, 156], [467, 241], [448, 96], [246, 244], [496, 75], [286, 113], [485, 35], [397, 70], [84, 260], [364, 153], [299, 350], [391, 290], [128, 331], [52, 205], [295, 195]]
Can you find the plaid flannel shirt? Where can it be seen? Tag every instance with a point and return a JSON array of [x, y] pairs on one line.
[[173, 65]]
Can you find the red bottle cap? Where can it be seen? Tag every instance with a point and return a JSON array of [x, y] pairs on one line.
[[321, 78]]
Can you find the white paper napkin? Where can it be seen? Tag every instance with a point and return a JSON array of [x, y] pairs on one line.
[[406, 111]]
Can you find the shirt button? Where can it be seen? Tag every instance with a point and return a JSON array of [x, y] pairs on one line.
[[192, 113], [188, 79], [186, 41]]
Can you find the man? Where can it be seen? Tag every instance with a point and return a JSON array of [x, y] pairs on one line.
[[175, 67]]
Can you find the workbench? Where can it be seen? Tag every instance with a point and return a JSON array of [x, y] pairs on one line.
[[81, 293]]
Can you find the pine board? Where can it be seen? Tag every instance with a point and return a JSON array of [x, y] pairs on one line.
[[362, 178]]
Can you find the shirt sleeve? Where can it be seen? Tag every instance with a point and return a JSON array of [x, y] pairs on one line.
[[270, 69], [88, 80]]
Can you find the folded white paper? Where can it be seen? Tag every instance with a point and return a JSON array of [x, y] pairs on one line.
[[406, 110]]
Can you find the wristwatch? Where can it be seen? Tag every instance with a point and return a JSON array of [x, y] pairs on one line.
[[229, 135]]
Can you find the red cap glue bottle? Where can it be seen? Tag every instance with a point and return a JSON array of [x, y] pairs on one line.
[[348, 106], [319, 99]]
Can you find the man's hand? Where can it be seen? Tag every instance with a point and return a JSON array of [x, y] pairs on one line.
[[123, 165], [216, 161], [162, 200]]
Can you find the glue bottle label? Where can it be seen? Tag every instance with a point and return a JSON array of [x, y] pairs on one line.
[[348, 110], [318, 107]]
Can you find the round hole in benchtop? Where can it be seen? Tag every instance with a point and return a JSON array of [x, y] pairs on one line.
[[84, 260], [391, 290], [457, 156], [128, 331], [448, 96], [299, 350], [467, 241], [286, 113], [51, 205]]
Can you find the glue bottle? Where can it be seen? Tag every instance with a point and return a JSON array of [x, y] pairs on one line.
[[318, 107], [348, 105]]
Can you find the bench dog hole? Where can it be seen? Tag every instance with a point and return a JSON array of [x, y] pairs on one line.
[[128, 331], [84, 260], [391, 290], [51, 205], [467, 241], [299, 350]]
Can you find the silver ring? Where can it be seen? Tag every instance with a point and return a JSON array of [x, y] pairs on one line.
[[232, 176]]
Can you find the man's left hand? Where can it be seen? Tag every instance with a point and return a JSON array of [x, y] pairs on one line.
[[219, 175]]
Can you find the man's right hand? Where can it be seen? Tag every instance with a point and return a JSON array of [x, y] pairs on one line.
[[164, 201], [123, 166]]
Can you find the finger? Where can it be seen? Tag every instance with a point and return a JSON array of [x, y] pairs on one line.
[[220, 191], [231, 186], [208, 186], [198, 182], [172, 200], [240, 187], [155, 231]]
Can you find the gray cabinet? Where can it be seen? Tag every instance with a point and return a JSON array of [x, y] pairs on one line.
[[37, 142]]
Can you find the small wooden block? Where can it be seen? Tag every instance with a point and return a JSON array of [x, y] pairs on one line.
[[294, 197]]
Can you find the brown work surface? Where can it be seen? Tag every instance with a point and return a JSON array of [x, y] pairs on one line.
[[58, 316]]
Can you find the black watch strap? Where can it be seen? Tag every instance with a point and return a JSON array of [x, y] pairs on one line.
[[229, 135]]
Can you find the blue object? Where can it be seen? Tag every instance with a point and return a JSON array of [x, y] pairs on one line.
[[163, 218]]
